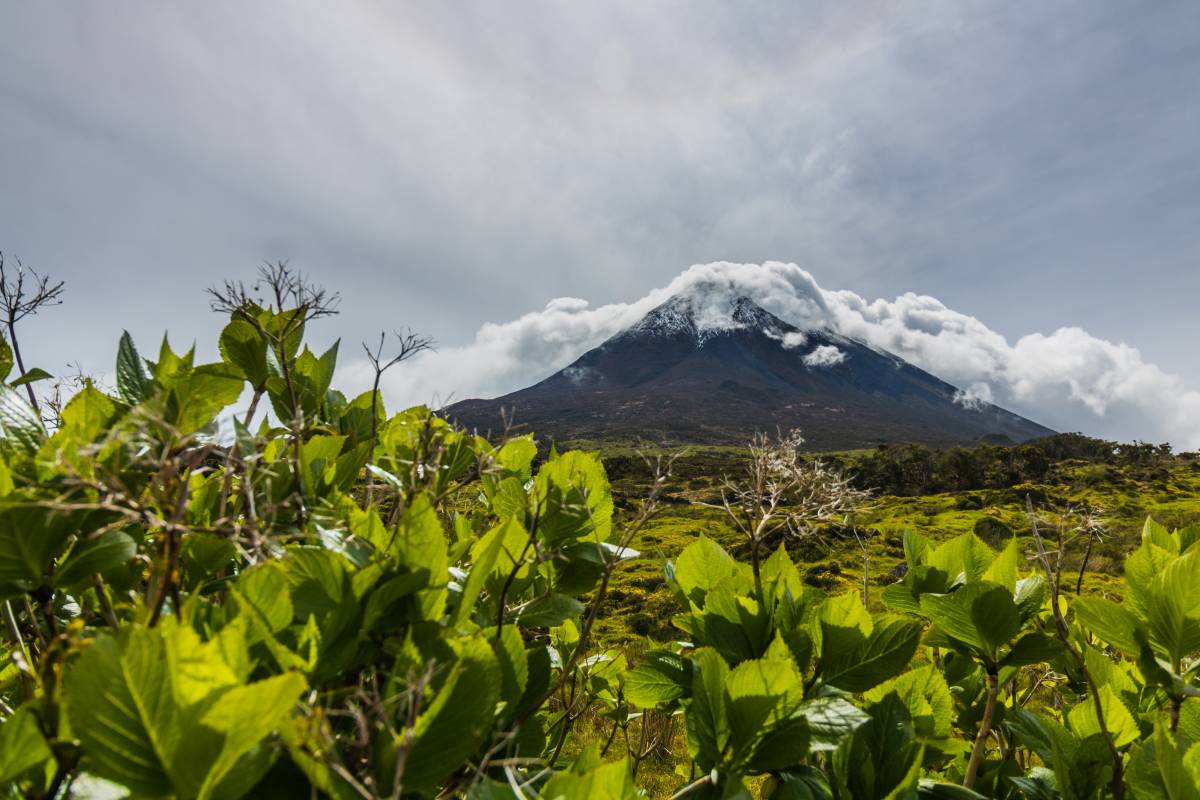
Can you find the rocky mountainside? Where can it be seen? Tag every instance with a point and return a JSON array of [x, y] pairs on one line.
[[680, 376]]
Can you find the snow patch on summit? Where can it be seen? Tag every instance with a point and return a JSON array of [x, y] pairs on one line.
[[706, 310]]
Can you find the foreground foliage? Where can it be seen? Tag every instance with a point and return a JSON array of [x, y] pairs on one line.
[[339, 603]]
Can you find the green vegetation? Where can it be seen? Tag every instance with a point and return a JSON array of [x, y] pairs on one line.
[[317, 599]]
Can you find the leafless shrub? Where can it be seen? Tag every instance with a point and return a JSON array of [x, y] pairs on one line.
[[278, 286], [1074, 525], [782, 494], [23, 292]]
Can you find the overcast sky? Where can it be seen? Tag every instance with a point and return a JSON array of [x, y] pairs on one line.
[[1032, 166]]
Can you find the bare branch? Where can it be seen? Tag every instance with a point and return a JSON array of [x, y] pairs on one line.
[[19, 300], [278, 287], [783, 492]]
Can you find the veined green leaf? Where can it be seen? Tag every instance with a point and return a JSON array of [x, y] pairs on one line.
[[700, 567], [109, 550], [20, 425], [32, 375], [133, 381], [707, 721], [981, 615], [244, 348], [590, 778], [1120, 723], [885, 654], [662, 677], [925, 693], [22, 746], [451, 727], [1111, 622], [162, 713]]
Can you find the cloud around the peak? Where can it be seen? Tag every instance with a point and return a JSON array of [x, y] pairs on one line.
[[1067, 379]]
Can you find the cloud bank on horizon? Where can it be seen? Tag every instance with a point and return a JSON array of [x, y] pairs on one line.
[[1067, 379]]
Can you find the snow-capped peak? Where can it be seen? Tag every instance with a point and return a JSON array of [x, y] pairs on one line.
[[706, 314]]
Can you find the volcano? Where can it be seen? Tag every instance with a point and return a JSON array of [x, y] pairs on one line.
[[681, 376]]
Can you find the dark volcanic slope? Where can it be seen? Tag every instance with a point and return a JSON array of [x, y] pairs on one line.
[[668, 380]]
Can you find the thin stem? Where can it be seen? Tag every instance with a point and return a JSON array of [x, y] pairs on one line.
[[16, 348], [258, 393], [14, 632], [106, 606], [611, 736], [45, 598], [517, 564], [374, 434], [1087, 553], [33, 621], [985, 727], [693, 787], [866, 580]]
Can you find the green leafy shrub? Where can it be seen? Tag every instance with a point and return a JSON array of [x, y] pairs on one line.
[[313, 597]]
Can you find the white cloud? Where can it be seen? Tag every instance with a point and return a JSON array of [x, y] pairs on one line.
[[1068, 379], [974, 396], [825, 355], [790, 340]]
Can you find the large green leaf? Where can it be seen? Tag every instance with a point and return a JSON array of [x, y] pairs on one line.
[[243, 347], [452, 725], [662, 677], [700, 567], [966, 556], [927, 697], [265, 589], [1033, 648], [840, 627], [1120, 722], [574, 498], [245, 716], [1003, 569], [195, 400], [22, 746], [1157, 770], [107, 551], [88, 415], [1111, 622], [133, 381], [548, 611], [125, 712], [885, 654], [162, 713], [20, 426], [707, 721], [590, 778], [30, 538], [760, 696], [980, 615], [882, 758], [513, 660], [419, 543], [484, 554], [1170, 606], [830, 720]]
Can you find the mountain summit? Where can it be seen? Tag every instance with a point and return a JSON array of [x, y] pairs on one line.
[[694, 371]]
